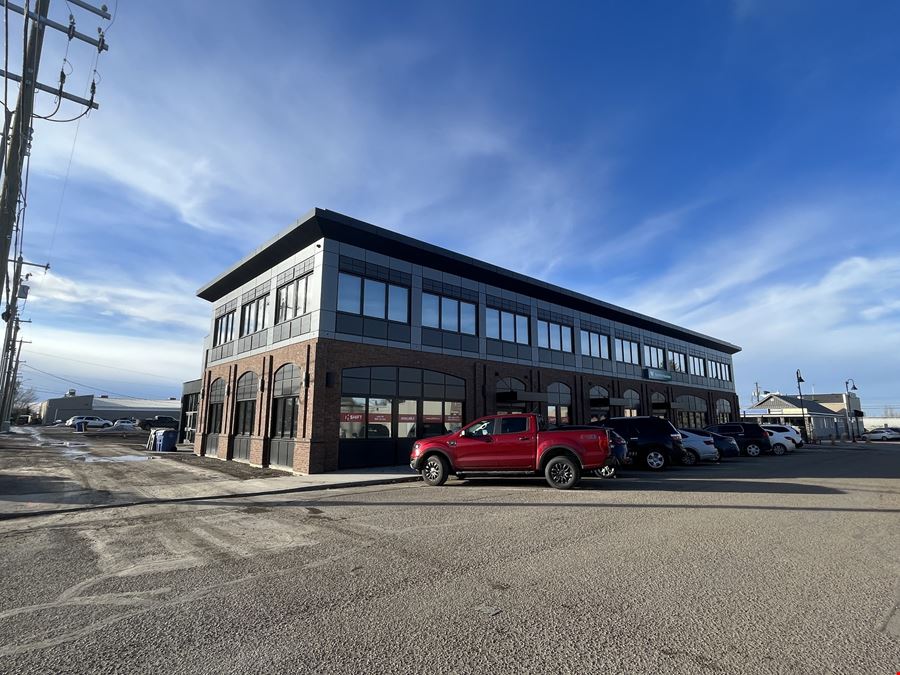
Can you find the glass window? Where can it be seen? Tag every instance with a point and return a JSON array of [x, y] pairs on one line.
[[433, 419], [555, 340], [654, 357], [223, 330], [349, 293], [378, 418], [431, 311], [566, 339], [353, 414], [585, 343], [467, 320], [627, 351], [543, 329], [508, 327], [373, 298], [284, 417], [513, 425], [453, 415], [522, 329], [449, 314], [398, 304], [677, 362], [492, 321], [481, 428], [406, 418], [595, 346]]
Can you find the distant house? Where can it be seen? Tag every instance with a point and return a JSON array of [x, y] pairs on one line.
[[825, 413], [64, 407]]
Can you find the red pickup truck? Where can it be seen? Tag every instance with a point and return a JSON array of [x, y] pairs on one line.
[[512, 443]]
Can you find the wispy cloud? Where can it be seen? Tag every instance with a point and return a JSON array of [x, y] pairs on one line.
[[166, 301]]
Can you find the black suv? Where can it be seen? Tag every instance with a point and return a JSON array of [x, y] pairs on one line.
[[158, 422], [651, 440], [752, 439]]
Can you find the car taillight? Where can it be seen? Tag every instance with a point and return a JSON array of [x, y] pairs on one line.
[[770, 433], [708, 443]]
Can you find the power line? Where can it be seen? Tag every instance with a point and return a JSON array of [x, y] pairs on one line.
[[82, 384], [100, 365]]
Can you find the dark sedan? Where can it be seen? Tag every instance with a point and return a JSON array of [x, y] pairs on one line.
[[726, 445]]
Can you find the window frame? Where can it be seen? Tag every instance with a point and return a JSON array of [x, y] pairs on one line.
[[223, 329], [386, 303], [633, 351]]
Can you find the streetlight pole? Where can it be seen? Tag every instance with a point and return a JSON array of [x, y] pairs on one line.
[[800, 380], [847, 407]]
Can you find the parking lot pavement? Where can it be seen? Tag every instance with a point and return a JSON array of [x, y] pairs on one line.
[[774, 565], [57, 470]]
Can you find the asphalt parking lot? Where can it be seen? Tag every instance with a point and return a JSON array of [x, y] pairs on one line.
[[777, 565]]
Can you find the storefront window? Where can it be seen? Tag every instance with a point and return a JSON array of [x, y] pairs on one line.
[[406, 418], [353, 414], [559, 400], [453, 415], [378, 420], [433, 419]]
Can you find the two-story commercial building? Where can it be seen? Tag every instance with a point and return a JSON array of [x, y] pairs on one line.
[[337, 344]]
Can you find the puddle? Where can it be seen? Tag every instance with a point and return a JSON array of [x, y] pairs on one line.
[[82, 456]]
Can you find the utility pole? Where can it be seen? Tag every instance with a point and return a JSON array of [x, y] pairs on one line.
[[10, 398], [11, 316], [20, 135]]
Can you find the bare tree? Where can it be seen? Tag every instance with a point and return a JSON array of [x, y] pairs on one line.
[[24, 396]]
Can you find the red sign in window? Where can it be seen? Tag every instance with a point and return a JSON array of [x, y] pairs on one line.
[[351, 417], [379, 417], [406, 418], [432, 419]]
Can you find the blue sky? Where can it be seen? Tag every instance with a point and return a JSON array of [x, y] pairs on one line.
[[728, 166]]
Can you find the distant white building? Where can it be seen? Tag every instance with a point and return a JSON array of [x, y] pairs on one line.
[[825, 415], [61, 409]]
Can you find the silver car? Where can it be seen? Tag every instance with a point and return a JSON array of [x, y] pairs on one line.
[[698, 448]]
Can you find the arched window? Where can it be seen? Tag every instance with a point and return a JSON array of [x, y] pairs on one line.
[[599, 402], [507, 384], [215, 406], [723, 411], [692, 412], [245, 412], [632, 403], [559, 402], [659, 405], [285, 409]]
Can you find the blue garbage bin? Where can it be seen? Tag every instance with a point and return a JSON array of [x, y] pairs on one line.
[[165, 440]]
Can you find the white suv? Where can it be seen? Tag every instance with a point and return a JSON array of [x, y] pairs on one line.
[[784, 438], [90, 420]]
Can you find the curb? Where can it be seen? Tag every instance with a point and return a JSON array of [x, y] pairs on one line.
[[235, 495]]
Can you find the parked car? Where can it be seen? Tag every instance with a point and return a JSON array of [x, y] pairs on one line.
[[784, 439], [91, 421], [726, 445], [884, 434], [124, 425], [158, 422], [618, 450], [751, 438], [652, 441], [698, 447], [512, 443]]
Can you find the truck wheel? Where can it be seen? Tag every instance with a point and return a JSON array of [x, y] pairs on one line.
[[779, 449], [655, 460], [434, 470], [562, 473]]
